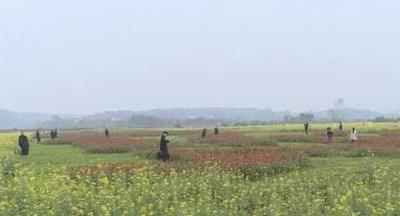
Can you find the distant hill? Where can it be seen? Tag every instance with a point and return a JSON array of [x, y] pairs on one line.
[[348, 114], [9, 120], [168, 118], [178, 117], [238, 114], [25, 120]]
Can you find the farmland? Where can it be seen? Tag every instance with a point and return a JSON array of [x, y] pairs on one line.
[[257, 170]]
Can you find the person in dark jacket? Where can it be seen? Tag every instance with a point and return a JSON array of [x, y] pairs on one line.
[[204, 133], [38, 135], [306, 126], [341, 126], [329, 134], [163, 154], [107, 133], [52, 136], [23, 144], [56, 133], [216, 131]]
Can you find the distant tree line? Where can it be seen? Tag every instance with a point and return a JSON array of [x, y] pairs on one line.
[[385, 119], [301, 118], [148, 121]]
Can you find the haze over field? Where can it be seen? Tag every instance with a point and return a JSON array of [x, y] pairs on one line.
[[90, 56]]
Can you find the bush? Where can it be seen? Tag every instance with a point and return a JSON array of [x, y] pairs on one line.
[[254, 173], [56, 142]]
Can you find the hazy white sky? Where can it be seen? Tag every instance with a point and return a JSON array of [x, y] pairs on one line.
[[77, 56]]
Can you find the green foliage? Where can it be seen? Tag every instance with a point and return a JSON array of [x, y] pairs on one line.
[[336, 179], [367, 188], [55, 142], [254, 173]]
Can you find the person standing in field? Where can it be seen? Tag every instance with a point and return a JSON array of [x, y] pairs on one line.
[[340, 126], [353, 136], [107, 133], [329, 134], [306, 126], [216, 131], [204, 133], [23, 144], [56, 133], [52, 134], [163, 154], [38, 135]]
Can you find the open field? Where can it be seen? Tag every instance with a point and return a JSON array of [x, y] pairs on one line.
[[258, 170]]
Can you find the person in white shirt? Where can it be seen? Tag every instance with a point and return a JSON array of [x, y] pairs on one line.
[[353, 136]]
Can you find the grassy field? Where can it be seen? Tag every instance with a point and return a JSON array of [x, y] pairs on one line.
[[258, 170]]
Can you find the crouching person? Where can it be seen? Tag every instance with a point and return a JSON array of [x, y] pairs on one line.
[[163, 153], [329, 134], [23, 144]]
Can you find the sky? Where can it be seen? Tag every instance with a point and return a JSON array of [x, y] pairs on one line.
[[85, 56]]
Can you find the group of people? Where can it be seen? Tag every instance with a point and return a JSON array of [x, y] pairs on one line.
[[163, 154], [330, 132], [204, 132], [54, 133], [23, 140]]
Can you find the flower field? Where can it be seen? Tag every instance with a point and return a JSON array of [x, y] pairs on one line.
[[203, 177]]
